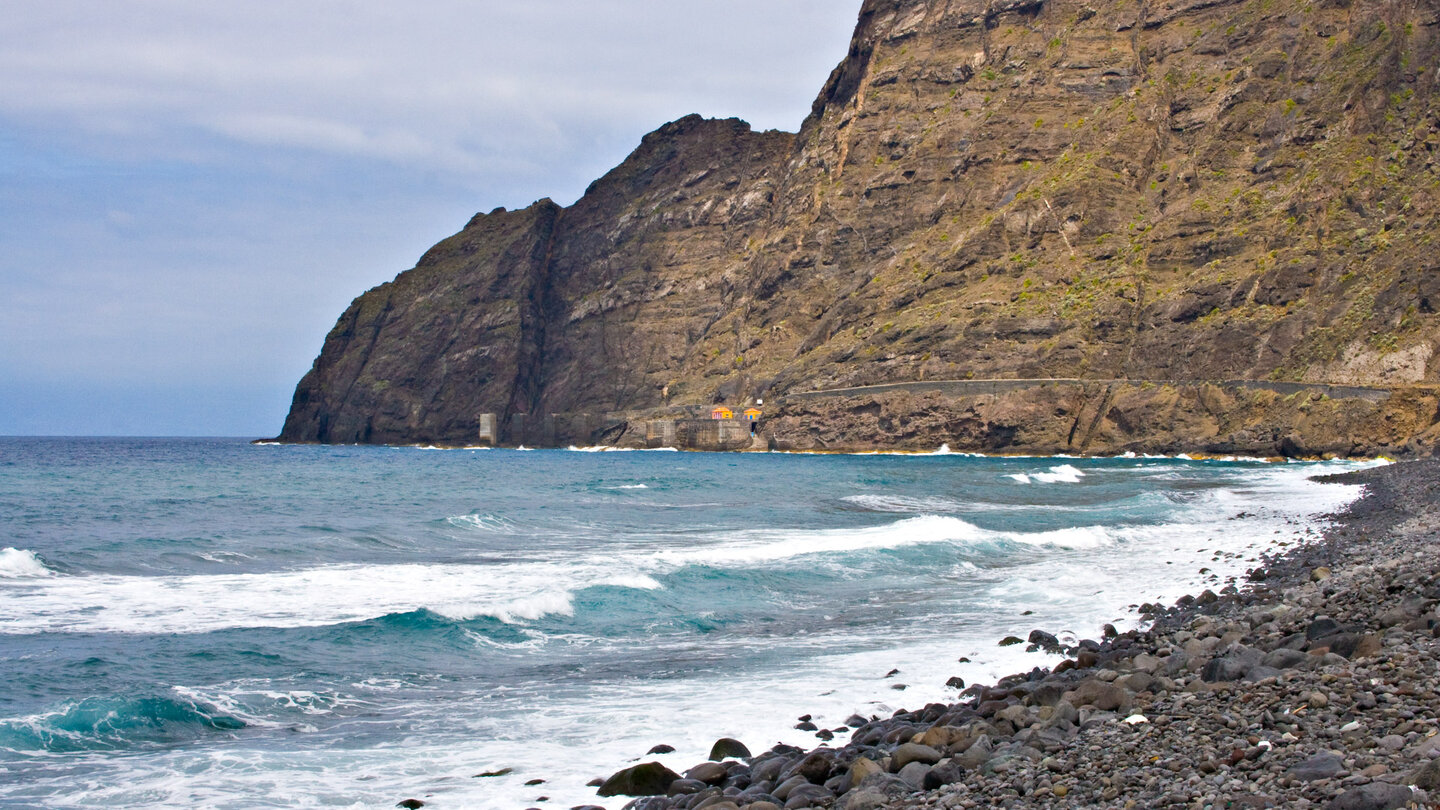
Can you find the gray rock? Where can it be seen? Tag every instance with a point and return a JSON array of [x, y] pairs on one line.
[[756, 791], [865, 799], [1146, 663], [1260, 673], [1044, 640], [914, 774], [807, 796], [1427, 777], [1231, 666], [783, 790], [1106, 697], [948, 772], [876, 791], [913, 752], [1322, 627], [769, 770], [977, 754], [1047, 694], [1374, 796], [649, 779], [1136, 682], [762, 805], [1175, 664], [1284, 658], [1320, 766]]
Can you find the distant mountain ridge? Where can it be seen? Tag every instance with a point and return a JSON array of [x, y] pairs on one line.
[[1177, 191]]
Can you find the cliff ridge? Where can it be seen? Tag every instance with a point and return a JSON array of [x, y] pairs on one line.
[[1186, 192]]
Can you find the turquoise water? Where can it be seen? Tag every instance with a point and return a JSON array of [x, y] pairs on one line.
[[210, 623]]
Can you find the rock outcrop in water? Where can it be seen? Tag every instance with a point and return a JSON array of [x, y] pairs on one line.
[[1192, 191]]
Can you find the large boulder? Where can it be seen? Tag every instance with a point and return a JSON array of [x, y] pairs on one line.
[[1107, 697], [711, 773], [1320, 766], [1427, 777], [1232, 665], [649, 779], [727, 748], [913, 752], [863, 767], [914, 774], [1374, 796], [816, 767], [948, 772]]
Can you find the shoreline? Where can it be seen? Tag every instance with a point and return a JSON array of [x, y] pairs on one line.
[[1316, 685], [939, 451]]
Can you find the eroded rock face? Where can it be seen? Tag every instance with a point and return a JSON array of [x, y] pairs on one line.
[[1177, 191]]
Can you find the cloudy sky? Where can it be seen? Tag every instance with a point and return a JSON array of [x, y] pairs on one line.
[[191, 192]]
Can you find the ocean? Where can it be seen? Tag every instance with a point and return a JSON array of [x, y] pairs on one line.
[[210, 623]]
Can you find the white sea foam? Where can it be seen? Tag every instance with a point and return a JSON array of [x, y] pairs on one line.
[[903, 503], [942, 450], [326, 595], [629, 486], [529, 589], [18, 563], [484, 522], [1063, 474], [605, 448]]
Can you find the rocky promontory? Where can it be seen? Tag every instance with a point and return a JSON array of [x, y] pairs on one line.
[[1181, 193], [1315, 684]]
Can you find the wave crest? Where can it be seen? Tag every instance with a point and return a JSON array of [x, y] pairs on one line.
[[18, 563], [1062, 474], [115, 722]]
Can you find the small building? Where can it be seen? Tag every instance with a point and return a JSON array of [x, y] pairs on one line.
[[752, 414], [721, 412]]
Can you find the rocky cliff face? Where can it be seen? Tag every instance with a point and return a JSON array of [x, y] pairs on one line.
[[1189, 190]]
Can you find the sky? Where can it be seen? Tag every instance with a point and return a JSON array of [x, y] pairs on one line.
[[192, 192]]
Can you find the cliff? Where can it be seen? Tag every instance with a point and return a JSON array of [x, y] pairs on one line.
[[1181, 192]]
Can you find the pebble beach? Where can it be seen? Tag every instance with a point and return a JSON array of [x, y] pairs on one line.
[[1313, 684]]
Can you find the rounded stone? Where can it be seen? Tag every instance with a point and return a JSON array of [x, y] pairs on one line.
[[727, 748], [711, 773], [648, 779], [913, 752]]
